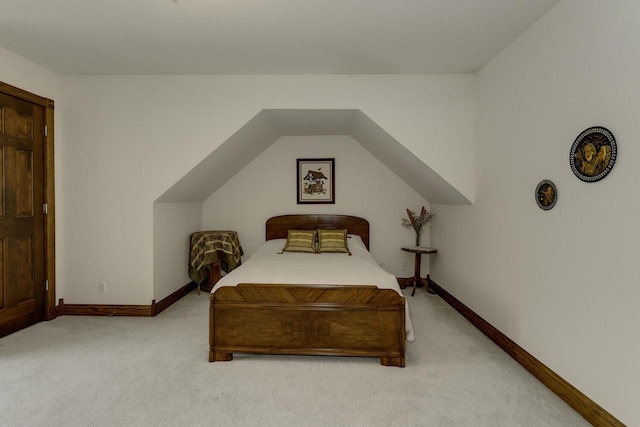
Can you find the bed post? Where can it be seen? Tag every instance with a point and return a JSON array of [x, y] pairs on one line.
[[215, 356], [392, 361], [211, 355]]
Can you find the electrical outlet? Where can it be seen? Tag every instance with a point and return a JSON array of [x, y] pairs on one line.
[[102, 287], [404, 266]]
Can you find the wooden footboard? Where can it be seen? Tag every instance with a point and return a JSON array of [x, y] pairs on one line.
[[307, 320]]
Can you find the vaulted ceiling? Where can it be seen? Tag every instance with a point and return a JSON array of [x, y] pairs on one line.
[[269, 125]]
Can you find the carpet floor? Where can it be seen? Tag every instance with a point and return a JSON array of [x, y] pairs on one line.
[[122, 371]]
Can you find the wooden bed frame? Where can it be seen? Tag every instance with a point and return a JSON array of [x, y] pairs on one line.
[[297, 319]]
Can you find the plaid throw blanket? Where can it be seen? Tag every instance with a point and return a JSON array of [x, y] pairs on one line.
[[208, 247]]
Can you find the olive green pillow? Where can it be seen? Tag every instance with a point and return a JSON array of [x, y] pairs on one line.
[[332, 241], [300, 241]]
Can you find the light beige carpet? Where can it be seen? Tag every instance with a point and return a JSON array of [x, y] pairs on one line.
[[98, 371]]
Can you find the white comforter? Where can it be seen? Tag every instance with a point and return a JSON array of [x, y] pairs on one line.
[[267, 266]]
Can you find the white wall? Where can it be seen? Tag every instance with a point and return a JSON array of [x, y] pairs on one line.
[[563, 284], [173, 224], [129, 138], [364, 187]]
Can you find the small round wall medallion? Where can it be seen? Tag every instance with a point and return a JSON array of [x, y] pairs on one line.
[[593, 154], [546, 194]]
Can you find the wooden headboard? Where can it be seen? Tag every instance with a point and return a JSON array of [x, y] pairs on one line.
[[278, 226]]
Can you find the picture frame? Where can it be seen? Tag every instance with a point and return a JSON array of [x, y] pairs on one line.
[[316, 181], [593, 154]]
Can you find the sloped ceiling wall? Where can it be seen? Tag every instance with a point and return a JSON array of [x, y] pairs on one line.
[[270, 124]]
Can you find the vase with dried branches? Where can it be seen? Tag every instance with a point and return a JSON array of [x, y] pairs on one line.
[[417, 222]]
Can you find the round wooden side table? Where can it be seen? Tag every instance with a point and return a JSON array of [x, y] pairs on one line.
[[419, 251]]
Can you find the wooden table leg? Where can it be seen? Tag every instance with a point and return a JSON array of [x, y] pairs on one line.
[[213, 276], [429, 290], [416, 273]]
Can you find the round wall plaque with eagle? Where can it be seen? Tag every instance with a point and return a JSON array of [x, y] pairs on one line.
[[593, 154]]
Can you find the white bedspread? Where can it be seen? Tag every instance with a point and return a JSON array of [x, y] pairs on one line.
[[267, 266]]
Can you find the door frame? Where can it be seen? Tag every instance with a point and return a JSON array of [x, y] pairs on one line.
[[51, 311]]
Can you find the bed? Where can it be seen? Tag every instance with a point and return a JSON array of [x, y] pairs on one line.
[[256, 309]]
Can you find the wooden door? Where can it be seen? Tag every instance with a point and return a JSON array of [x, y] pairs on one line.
[[22, 256]]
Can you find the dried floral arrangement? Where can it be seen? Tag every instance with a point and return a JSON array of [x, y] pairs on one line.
[[416, 221]]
